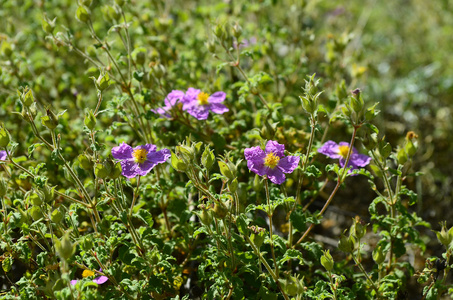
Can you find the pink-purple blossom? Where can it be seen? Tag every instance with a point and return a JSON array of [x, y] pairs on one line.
[[88, 273], [340, 151], [170, 102], [199, 104], [3, 155], [139, 160], [271, 162]]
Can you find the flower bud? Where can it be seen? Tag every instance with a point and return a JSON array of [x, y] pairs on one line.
[[225, 170], [257, 235], [233, 185], [219, 32], [50, 120], [4, 136], [237, 30], [158, 71], [378, 255], [35, 213], [36, 199], [370, 140], [356, 101], [85, 162], [6, 49], [3, 187], [187, 153], [27, 98], [207, 158], [86, 3], [346, 244], [177, 163], [90, 120], [257, 183], [205, 215], [411, 146], [220, 210], [56, 216], [401, 155], [210, 45], [47, 25], [119, 2], [103, 81], [83, 14], [445, 237], [327, 261], [101, 170], [65, 248], [116, 171], [358, 228]]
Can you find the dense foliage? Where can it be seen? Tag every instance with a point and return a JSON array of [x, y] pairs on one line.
[[225, 149]]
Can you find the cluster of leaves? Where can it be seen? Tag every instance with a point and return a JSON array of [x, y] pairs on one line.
[[87, 78]]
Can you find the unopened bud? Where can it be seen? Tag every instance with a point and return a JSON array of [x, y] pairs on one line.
[[220, 210], [257, 235], [210, 45], [119, 2], [358, 227], [103, 81], [207, 158], [85, 162], [401, 155], [90, 120], [56, 216], [356, 101], [86, 3], [50, 120], [3, 187], [237, 30], [378, 255], [6, 49], [346, 244], [233, 185], [177, 163], [102, 170], [83, 14], [327, 261], [116, 171], [445, 237], [27, 98], [225, 170], [47, 25], [158, 71], [65, 248], [4, 136]]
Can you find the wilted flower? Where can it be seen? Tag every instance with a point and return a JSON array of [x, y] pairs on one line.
[[198, 103], [3, 155], [340, 151], [89, 273], [170, 101], [139, 160], [271, 162]]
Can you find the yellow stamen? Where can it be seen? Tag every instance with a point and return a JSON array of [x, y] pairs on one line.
[[87, 273], [203, 98], [140, 155], [271, 160], [343, 151]]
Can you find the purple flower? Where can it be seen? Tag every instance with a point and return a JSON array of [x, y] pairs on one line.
[[139, 160], [88, 273], [340, 151], [271, 162], [245, 43], [2, 155], [198, 103], [170, 101]]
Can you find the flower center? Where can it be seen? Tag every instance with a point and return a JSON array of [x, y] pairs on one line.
[[140, 155], [271, 160], [343, 151], [87, 273], [203, 98]]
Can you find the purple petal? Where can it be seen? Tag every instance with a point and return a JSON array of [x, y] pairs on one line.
[[100, 279], [276, 148], [190, 96], [255, 160], [129, 168], [288, 164], [276, 176], [200, 112], [217, 97], [218, 108], [152, 160], [359, 160], [173, 98], [123, 151], [74, 282], [3, 155], [254, 153], [330, 149], [163, 111], [148, 147]]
